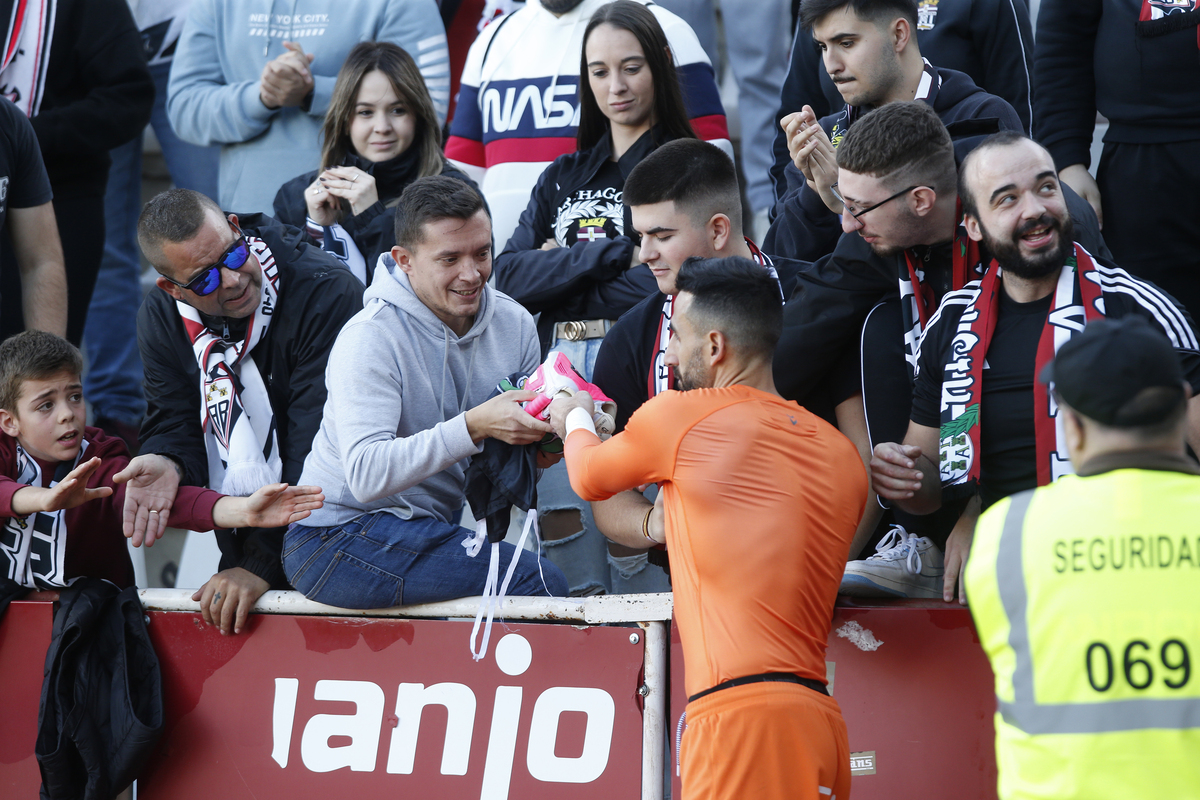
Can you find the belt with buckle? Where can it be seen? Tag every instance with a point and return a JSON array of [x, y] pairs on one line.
[[580, 329], [766, 677]]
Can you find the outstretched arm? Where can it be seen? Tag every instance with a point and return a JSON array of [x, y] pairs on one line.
[[70, 492]]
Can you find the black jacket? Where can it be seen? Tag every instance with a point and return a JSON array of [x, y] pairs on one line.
[[805, 229], [374, 230], [102, 707], [989, 40], [1094, 55], [832, 297], [98, 93], [589, 280], [316, 297]]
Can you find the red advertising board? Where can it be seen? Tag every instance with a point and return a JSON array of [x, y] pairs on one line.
[[320, 707], [24, 636]]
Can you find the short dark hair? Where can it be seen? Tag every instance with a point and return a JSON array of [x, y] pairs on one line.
[[1001, 139], [172, 216], [697, 176], [904, 143], [33, 356], [813, 11], [737, 297], [669, 111], [430, 198]]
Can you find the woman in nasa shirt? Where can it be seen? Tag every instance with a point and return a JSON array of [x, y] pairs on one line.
[[574, 256]]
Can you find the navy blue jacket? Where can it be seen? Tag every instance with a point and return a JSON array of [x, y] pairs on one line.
[[806, 230], [990, 40]]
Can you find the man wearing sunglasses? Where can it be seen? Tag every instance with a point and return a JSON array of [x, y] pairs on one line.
[[234, 344]]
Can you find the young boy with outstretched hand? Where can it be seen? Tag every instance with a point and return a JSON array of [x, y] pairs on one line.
[[60, 512]]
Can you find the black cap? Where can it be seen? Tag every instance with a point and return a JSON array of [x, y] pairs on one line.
[[1100, 371]]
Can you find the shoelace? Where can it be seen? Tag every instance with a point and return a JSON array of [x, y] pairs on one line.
[[493, 596], [898, 544]]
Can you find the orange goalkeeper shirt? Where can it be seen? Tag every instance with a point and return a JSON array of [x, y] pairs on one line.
[[762, 499]]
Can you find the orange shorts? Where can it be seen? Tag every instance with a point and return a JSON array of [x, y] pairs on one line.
[[767, 741]]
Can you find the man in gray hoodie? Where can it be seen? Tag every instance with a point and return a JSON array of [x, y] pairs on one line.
[[409, 382]]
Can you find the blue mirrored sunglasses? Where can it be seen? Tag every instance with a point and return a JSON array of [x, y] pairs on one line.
[[209, 281]]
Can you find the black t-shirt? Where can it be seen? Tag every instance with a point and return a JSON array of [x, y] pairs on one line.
[[1006, 429], [594, 212], [1006, 409], [23, 181]]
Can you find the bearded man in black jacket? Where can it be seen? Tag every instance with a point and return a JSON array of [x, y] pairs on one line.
[[259, 308]]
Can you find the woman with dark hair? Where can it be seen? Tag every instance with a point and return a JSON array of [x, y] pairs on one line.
[[574, 254], [381, 133]]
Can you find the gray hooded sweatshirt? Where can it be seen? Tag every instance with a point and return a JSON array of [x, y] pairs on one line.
[[394, 432]]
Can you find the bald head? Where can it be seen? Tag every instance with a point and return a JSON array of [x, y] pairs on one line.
[[175, 215]]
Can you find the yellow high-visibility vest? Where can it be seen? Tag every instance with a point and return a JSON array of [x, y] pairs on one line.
[[1086, 597]]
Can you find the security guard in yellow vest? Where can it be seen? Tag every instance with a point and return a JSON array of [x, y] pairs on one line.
[[1086, 593]]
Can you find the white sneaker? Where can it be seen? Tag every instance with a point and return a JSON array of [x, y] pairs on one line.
[[904, 565]]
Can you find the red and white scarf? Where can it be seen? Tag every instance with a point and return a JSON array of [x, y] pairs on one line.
[[33, 548], [235, 410], [26, 52], [1077, 301], [917, 298], [662, 377]]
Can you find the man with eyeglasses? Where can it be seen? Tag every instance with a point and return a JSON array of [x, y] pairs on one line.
[[982, 427], [853, 324], [234, 344], [870, 50]]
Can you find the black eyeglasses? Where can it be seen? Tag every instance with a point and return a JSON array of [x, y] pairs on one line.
[[846, 206], [209, 281]]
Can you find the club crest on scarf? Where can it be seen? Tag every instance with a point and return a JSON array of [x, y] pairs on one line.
[[222, 412]]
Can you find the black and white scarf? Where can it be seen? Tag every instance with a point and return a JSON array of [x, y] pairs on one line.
[[235, 410], [661, 376], [26, 52], [33, 549]]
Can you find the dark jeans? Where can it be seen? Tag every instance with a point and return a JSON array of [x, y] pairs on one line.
[[379, 561]]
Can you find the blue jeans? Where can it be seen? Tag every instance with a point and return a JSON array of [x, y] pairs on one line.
[[113, 383], [379, 561], [583, 557]]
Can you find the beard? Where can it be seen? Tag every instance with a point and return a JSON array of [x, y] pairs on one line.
[[559, 6], [692, 375], [1008, 253]]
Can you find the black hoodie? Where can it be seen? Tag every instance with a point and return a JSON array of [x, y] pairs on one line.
[[990, 40], [806, 230]]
